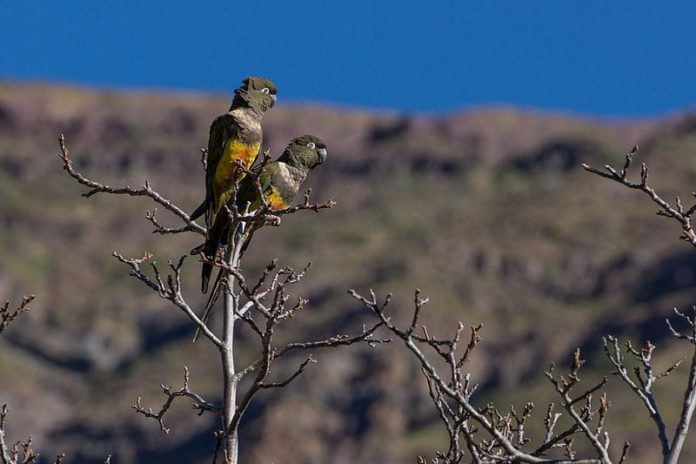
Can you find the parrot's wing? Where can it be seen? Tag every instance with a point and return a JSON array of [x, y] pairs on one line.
[[248, 192], [222, 128]]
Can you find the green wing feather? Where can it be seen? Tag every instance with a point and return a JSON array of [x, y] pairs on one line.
[[248, 192], [220, 132]]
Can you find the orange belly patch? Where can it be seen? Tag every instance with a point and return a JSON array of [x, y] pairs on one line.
[[227, 172], [275, 201]]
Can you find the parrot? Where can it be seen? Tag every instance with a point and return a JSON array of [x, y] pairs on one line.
[[235, 137], [280, 181]]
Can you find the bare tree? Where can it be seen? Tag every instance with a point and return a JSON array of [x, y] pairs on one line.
[[263, 304], [480, 433], [488, 435], [644, 376]]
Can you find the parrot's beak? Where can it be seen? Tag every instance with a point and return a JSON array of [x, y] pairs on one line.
[[322, 154], [274, 98]]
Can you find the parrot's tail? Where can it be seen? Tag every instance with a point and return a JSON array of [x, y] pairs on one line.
[[200, 210], [218, 286], [212, 299]]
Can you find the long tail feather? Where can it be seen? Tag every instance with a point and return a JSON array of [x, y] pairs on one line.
[[213, 241], [218, 287], [197, 250], [200, 210], [212, 299], [206, 271]]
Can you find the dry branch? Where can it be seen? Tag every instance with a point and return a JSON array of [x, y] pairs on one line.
[[487, 434], [644, 376], [666, 209], [7, 315], [263, 306], [199, 403], [17, 453], [145, 191]]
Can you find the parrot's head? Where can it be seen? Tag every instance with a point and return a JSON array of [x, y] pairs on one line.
[[307, 151], [256, 92]]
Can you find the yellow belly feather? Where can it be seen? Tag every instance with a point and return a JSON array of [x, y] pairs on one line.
[[275, 201], [227, 171]]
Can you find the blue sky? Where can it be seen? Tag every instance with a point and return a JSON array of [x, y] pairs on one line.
[[607, 58]]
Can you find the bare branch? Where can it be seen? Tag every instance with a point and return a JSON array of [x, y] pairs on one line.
[[306, 205], [19, 452], [676, 212], [4, 450], [451, 392], [294, 375], [689, 403], [204, 158], [171, 290], [199, 403], [644, 376], [8, 315], [624, 452], [586, 414], [145, 191], [163, 230]]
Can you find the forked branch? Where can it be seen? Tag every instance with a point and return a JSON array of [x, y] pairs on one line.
[[643, 375], [145, 191], [675, 211], [486, 434], [199, 404]]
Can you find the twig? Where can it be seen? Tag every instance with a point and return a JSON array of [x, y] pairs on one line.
[[452, 398], [199, 403], [292, 377], [689, 403], [7, 315], [645, 377], [145, 191], [171, 290], [19, 452], [676, 212], [643, 391]]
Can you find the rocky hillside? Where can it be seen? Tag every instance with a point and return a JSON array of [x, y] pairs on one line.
[[488, 212]]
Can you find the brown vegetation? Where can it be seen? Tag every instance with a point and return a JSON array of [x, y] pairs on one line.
[[488, 212]]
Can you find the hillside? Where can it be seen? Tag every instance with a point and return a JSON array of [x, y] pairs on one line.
[[486, 211]]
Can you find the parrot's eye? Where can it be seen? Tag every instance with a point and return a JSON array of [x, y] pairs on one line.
[[311, 145], [266, 90]]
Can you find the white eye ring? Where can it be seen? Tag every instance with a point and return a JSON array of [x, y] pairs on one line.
[[311, 145], [266, 90]]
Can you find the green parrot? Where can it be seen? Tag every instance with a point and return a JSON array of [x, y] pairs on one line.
[[234, 137], [281, 179], [280, 182]]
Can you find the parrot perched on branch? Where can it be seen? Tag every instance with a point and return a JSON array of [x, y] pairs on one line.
[[280, 181], [235, 138]]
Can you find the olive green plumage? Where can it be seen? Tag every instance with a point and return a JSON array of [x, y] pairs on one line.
[[280, 181], [257, 93], [242, 121], [235, 138]]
